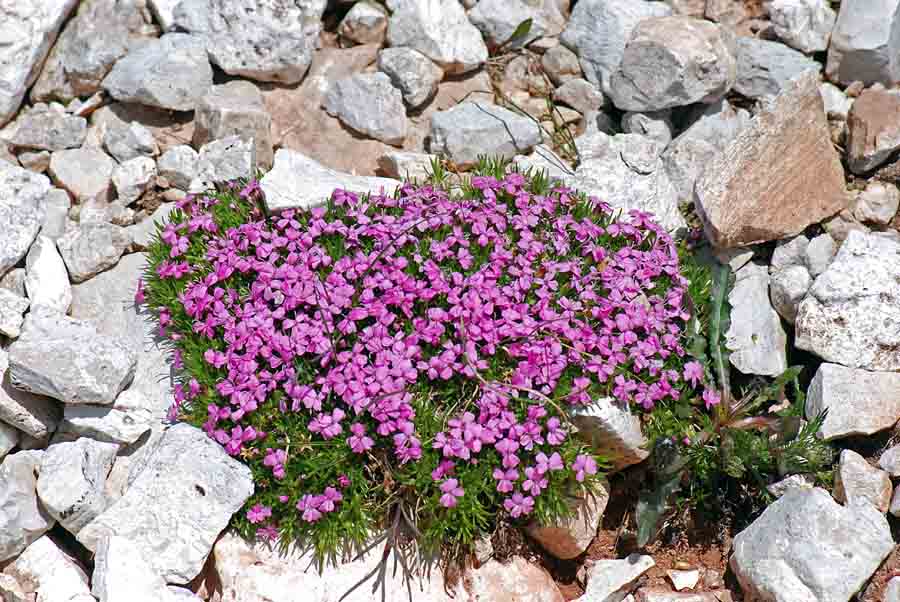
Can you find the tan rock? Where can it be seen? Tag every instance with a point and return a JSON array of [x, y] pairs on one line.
[[874, 129], [570, 537], [857, 480], [779, 175]]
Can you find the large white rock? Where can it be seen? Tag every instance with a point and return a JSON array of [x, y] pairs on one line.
[[232, 109], [764, 68], [110, 424], [498, 19], [859, 402], [22, 193], [43, 128], [609, 580], [411, 72], [857, 481], [224, 160], [50, 574], [92, 248], [626, 171], [369, 104], [23, 518], [298, 182], [122, 572], [172, 72], [440, 30], [613, 431], [46, 280], [72, 479], [674, 61], [851, 315], [177, 505], [803, 24], [85, 173], [865, 43], [756, 339], [68, 360], [807, 548], [28, 29], [470, 129], [34, 415], [598, 31], [266, 40]]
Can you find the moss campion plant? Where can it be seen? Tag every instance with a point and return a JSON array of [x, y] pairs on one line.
[[413, 359]]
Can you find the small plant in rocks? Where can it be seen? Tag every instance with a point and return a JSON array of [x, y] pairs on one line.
[[400, 369]]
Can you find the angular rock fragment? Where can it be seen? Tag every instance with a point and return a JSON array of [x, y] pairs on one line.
[[498, 20], [614, 579], [224, 160], [613, 431], [235, 109], [411, 72], [787, 288], [85, 173], [369, 104], [21, 213], [92, 248], [873, 129], [12, 306], [48, 573], [178, 166], [133, 178], [126, 141], [878, 203], [23, 518], [366, 23], [472, 128], [864, 47], [110, 425], [570, 537], [765, 68], [858, 402], [35, 415], [121, 570], [858, 481], [44, 128], [803, 24]]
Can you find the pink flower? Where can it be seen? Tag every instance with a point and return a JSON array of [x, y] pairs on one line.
[[519, 505], [267, 533], [451, 491], [693, 373], [258, 513], [711, 398], [545, 464], [584, 465], [139, 293], [359, 443], [505, 479]]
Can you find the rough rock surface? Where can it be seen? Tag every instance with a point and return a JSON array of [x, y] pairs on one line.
[[756, 339], [132, 178], [873, 129], [21, 197], [852, 313], [85, 173], [92, 248], [476, 128], [864, 47], [560, 64], [126, 141], [298, 181], [266, 40], [611, 580], [598, 31], [581, 95], [9, 438], [819, 253], [30, 28], [35, 415], [878, 203], [439, 29], [859, 402], [22, 516], [787, 288], [411, 72], [12, 306], [177, 505], [765, 68], [178, 166], [223, 160], [369, 104], [498, 19], [807, 548], [406, 166], [72, 479], [890, 461], [172, 72], [49, 574], [778, 175], [121, 572], [106, 424], [613, 431], [44, 128], [674, 61], [569, 538], [68, 360], [803, 24], [235, 109], [56, 212], [365, 23], [655, 124], [857, 481]]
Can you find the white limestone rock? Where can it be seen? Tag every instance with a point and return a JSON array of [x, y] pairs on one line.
[[756, 338], [857, 481], [365, 23], [222, 161], [233, 109], [92, 248], [787, 288], [851, 315], [656, 125], [107, 424], [878, 203], [68, 360], [23, 518], [369, 104], [543, 159], [819, 253], [411, 72], [143, 232], [837, 103], [9, 438], [764, 67], [498, 19], [177, 505], [890, 461], [470, 129], [12, 306], [56, 212], [43, 128], [613, 431], [22, 194], [122, 572], [803, 24], [35, 415], [609, 580], [779, 488], [85, 173], [178, 166], [133, 178], [859, 402], [405, 165], [72, 479], [581, 95], [50, 574], [865, 47], [126, 141]]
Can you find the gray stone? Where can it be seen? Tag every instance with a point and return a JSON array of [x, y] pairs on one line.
[[68, 360], [92, 41], [265, 40], [369, 104], [612, 580], [92, 248], [106, 424], [777, 176], [30, 28], [613, 431], [178, 166], [764, 67], [560, 64], [878, 203], [790, 251], [126, 141], [654, 125], [50, 574], [133, 178], [85, 173], [569, 538], [439, 29], [224, 160], [756, 339], [787, 288], [12, 306], [890, 461], [852, 312], [543, 159], [803, 24], [411, 72], [177, 505], [858, 402], [626, 171], [48, 129], [122, 572], [143, 232], [56, 209], [34, 415], [857, 481], [9, 438], [598, 31], [819, 253], [365, 23], [101, 212], [235, 109], [23, 518], [674, 61], [581, 95], [794, 481], [406, 166], [476, 128], [807, 548], [498, 19], [14, 281], [837, 104], [296, 181], [172, 72], [71, 481], [864, 48], [22, 194]]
